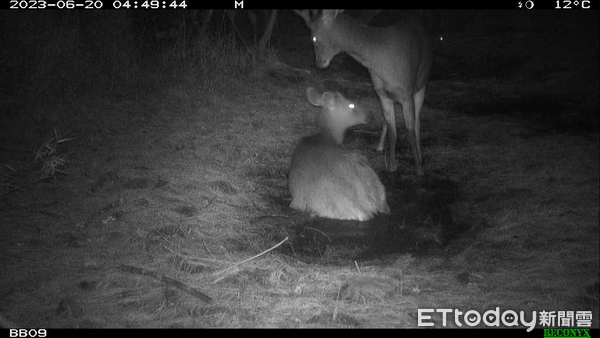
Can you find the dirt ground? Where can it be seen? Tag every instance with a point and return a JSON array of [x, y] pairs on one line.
[[167, 194]]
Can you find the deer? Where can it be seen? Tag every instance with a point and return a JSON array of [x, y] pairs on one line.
[[398, 58], [327, 180]]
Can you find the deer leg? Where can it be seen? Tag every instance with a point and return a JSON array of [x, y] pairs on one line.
[[382, 137], [389, 117], [408, 110], [419, 98]]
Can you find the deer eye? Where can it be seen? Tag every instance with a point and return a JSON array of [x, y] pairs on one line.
[[351, 105], [314, 39]]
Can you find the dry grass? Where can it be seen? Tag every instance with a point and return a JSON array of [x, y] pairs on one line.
[[179, 196]]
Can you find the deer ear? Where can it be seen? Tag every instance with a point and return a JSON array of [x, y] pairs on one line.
[[329, 15], [304, 14], [314, 97], [328, 99]]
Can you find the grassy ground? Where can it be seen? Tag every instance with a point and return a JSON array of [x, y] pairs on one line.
[[169, 187]]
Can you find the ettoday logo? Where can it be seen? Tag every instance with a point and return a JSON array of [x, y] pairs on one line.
[[491, 318], [510, 318]]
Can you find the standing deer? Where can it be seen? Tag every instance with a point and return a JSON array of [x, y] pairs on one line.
[[327, 180], [398, 58]]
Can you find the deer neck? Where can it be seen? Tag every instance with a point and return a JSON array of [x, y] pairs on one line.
[[333, 134], [356, 39]]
